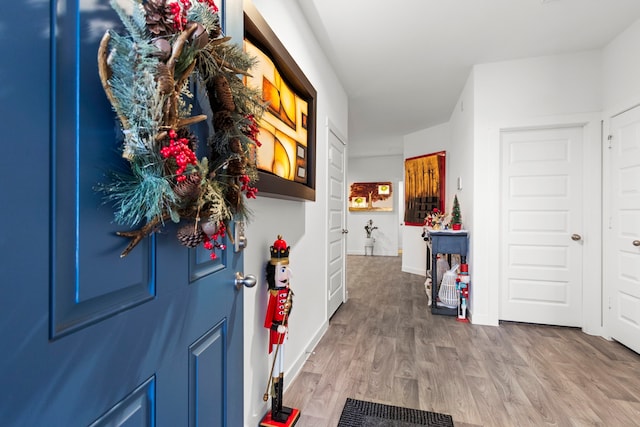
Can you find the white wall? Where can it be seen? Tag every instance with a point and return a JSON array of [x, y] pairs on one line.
[[460, 155], [542, 91], [456, 138], [375, 169], [302, 224], [621, 71], [545, 91], [377, 146], [431, 140]]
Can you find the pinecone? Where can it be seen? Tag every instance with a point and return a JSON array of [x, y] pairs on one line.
[[237, 166], [190, 235], [235, 145], [223, 120], [189, 189], [233, 196], [193, 139], [159, 17], [223, 92]]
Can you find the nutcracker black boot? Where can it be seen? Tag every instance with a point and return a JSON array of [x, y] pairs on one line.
[[276, 403], [282, 409]]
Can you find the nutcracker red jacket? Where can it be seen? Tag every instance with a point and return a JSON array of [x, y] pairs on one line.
[[276, 315]]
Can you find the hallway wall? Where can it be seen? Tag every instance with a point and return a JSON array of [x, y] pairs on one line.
[[303, 224], [426, 141], [621, 68], [531, 92], [375, 169], [511, 93]]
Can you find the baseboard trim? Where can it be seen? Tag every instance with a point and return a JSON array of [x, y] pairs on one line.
[[361, 253], [417, 271], [481, 320]]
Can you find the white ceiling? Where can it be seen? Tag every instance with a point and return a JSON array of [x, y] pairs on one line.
[[403, 64]]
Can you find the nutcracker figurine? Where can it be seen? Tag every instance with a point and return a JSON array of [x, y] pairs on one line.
[[277, 321]]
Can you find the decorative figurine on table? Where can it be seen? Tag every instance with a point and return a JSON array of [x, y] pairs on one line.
[[277, 321], [435, 220]]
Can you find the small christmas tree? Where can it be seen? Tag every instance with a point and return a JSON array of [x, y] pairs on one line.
[[456, 217]]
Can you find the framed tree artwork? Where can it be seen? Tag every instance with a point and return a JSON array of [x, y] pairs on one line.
[[424, 181], [370, 196]]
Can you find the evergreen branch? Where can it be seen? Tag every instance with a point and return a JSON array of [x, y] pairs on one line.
[[202, 13], [141, 195], [136, 24]]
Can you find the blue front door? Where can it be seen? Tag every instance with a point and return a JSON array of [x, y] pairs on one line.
[[88, 338]]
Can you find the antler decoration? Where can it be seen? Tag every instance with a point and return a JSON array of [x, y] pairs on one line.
[[137, 235]]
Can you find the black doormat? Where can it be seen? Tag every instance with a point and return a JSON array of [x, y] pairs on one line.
[[357, 413]]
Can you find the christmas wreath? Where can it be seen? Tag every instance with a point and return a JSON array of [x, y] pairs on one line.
[[148, 76]]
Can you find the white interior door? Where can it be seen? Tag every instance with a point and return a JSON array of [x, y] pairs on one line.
[[541, 223], [337, 222], [622, 266]]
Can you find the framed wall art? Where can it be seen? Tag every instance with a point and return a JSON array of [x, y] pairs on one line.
[[286, 156], [424, 182], [371, 196]]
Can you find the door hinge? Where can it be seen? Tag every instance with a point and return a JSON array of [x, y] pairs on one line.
[[610, 223], [610, 139], [239, 238]]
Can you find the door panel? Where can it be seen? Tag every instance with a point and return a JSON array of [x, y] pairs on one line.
[[541, 265], [137, 409], [89, 338], [337, 214], [86, 286], [206, 378], [623, 259]]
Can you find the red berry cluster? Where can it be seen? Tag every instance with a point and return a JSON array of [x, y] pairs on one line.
[[180, 151], [250, 192], [211, 242], [251, 129], [211, 5], [179, 14]]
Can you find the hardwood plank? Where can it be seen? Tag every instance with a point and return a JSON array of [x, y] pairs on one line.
[[385, 346], [405, 353], [380, 384], [302, 389], [405, 393]]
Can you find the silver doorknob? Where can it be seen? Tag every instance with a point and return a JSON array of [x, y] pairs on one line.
[[576, 237], [345, 231], [636, 243], [249, 281]]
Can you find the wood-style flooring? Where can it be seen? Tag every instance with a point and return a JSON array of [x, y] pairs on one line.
[[384, 345]]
